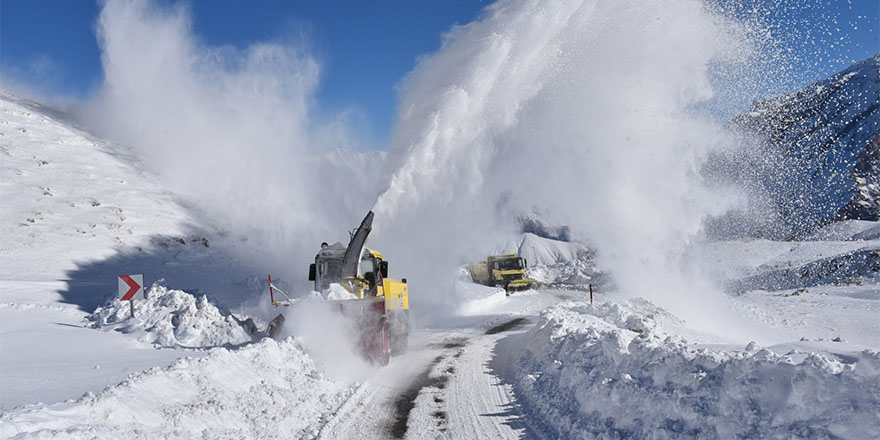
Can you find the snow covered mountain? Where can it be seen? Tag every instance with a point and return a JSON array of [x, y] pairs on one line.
[[76, 212], [819, 155]]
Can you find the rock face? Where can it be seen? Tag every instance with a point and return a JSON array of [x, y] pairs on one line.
[[866, 204], [820, 150], [531, 222]]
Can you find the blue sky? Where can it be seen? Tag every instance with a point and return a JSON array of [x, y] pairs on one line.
[[365, 47]]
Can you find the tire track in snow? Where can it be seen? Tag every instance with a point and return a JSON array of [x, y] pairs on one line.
[[371, 410], [459, 396], [481, 404], [443, 387], [407, 400]]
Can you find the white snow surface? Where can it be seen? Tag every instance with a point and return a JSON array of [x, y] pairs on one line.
[[613, 370], [69, 201], [174, 318], [76, 212], [334, 292], [266, 390], [473, 298]]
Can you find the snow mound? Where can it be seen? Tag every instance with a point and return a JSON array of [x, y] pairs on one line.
[[334, 292], [539, 250], [610, 370], [266, 390], [473, 298], [544, 251], [573, 274], [174, 318]]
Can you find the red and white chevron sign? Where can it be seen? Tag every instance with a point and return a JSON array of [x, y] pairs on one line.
[[131, 287]]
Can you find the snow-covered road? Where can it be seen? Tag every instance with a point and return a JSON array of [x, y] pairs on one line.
[[444, 385]]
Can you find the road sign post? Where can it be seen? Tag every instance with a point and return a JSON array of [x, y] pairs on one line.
[[131, 287]]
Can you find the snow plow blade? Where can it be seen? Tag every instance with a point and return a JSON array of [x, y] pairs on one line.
[[518, 285]]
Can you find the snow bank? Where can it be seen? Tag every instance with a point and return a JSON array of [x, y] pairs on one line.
[[174, 318], [544, 251], [610, 370], [266, 390], [334, 292], [473, 298], [571, 274]]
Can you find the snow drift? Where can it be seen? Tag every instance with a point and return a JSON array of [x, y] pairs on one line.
[[174, 318], [612, 370], [267, 390]]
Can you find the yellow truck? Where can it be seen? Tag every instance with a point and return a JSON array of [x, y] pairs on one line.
[[504, 270], [379, 305]]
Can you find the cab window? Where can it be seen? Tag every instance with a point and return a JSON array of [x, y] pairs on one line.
[[367, 265]]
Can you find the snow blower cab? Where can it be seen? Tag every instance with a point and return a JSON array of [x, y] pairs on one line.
[[379, 304]]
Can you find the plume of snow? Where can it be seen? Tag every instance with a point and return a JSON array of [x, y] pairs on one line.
[[583, 109], [232, 128]]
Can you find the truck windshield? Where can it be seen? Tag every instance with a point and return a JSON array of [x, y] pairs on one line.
[[509, 264], [329, 271]]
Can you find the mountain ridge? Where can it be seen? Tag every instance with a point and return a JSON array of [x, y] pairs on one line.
[[819, 152]]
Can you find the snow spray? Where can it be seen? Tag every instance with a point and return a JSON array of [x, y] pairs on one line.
[[590, 111], [586, 110], [233, 129]]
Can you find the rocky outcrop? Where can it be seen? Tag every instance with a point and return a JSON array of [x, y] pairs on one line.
[[866, 204], [818, 161]]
